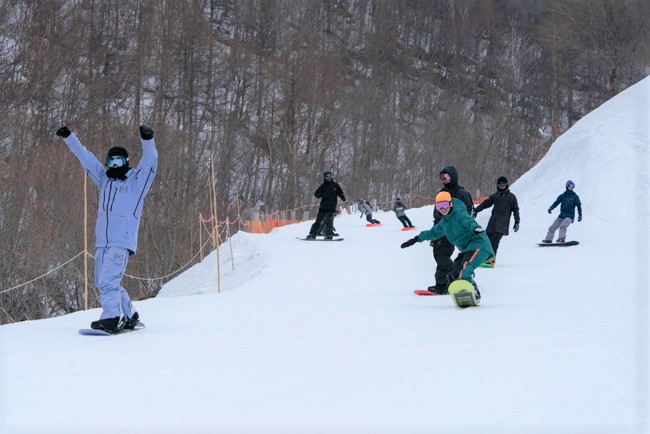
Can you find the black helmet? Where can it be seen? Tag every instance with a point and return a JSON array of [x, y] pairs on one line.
[[502, 182], [117, 151]]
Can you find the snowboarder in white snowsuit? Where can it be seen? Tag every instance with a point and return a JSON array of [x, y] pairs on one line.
[[122, 190]]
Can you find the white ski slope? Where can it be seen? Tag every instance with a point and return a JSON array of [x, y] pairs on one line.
[[328, 338]]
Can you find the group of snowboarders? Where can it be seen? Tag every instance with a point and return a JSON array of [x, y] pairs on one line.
[[122, 190], [455, 225]]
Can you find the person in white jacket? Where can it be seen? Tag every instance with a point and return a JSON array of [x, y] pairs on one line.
[[122, 190]]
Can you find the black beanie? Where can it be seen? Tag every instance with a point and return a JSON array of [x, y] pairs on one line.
[[118, 150], [502, 180]]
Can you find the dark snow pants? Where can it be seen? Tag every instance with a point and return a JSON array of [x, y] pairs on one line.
[[442, 251], [405, 221], [495, 239], [326, 217]]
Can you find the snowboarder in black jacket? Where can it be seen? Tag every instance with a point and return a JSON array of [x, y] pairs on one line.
[[327, 192], [442, 248], [505, 204]]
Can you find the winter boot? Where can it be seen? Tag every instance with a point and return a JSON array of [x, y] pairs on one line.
[[547, 241], [478, 293], [439, 289], [560, 240], [111, 325], [133, 321], [310, 237]]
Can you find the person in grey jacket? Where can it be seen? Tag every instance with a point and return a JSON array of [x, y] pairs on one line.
[[400, 209], [366, 209], [122, 190]]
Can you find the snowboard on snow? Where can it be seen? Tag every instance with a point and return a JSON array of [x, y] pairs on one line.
[[425, 292], [409, 229], [320, 239], [372, 225], [93, 332], [565, 244], [463, 293]]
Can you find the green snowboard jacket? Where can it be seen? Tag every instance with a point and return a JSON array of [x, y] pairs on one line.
[[458, 226]]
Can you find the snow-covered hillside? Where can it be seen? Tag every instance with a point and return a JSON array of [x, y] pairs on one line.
[[328, 338]]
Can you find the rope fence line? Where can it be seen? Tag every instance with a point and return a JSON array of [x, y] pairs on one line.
[[222, 229], [43, 275]]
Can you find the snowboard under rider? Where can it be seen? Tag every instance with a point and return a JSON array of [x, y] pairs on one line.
[[505, 204], [568, 201], [327, 192], [463, 232], [122, 190]]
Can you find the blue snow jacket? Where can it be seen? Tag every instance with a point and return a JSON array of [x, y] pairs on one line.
[[568, 202], [120, 201]]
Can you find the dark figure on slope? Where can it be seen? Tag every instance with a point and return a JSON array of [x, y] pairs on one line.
[[505, 204], [462, 231], [122, 190], [442, 248], [327, 192], [400, 209], [568, 202]]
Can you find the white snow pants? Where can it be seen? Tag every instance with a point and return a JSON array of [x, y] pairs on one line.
[[110, 265]]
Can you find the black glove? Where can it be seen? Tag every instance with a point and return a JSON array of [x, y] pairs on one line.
[[410, 242], [579, 218], [63, 132], [343, 199], [550, 211], [516, 227], [146, 132]]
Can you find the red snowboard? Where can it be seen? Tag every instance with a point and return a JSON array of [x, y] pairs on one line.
[[425, 292]]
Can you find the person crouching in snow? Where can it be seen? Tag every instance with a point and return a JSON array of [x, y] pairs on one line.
[[121, 196], [463, 232], [568, 202], [366, 209]]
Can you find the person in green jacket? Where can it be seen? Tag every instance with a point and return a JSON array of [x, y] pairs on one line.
[[464, 233]]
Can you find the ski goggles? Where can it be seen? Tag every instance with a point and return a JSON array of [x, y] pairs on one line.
[[571, 186], [441, 206], [329, 177], [502, 185], [116, 160], [444, 177]]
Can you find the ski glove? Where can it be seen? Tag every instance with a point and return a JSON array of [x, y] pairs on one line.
[[410, 242], [550, 211], [516, 228], [579, 218], [63, 132], [146, 132]]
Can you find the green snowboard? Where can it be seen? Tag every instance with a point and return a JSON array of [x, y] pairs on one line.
[[463, 293]]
